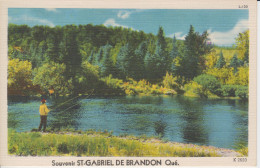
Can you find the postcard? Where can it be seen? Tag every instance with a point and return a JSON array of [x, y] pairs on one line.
[[128, 83]]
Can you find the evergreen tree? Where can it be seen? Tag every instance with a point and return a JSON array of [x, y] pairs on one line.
[[174, 51], [158, 63], [221, 61], [154, 63], [161, 38], [54, 48], [107, 66], [125, 61], [71, 55], [235, 63], [193, 62], [91, 57], [139, 68], [173, 54], [99, 57]]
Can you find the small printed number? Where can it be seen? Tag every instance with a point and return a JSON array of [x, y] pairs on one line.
[[242, 160], [242, 6]]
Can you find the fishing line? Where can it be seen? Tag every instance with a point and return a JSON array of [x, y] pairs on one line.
[[66, 102], [76, 103]]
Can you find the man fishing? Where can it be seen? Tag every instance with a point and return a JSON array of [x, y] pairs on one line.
[[43, 113]]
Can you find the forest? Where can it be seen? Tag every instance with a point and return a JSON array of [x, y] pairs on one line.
[[71, 59]]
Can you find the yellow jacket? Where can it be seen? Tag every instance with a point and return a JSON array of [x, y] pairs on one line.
[[44, 110]]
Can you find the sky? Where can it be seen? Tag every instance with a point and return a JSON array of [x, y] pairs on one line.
[[222, 25]]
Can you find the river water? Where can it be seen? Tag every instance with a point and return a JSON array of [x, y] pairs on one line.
[[219, 122]]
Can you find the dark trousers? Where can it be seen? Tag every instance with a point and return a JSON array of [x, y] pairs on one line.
[[43, 122]]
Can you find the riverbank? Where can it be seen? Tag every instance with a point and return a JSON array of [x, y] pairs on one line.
[[92, 143]]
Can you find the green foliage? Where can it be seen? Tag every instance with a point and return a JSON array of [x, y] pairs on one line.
[[97, 144], [113, 82], [235, 63], [124, 54], [193, 89], [221, 61], [171, 82], [139, 66], [19, 77], [242, 44], [158, 63], [71, 53], [89, 77], [228, 90], [125, 61], [107, 66], [52, 76], [242, 92], [208, 83], [192, 62]]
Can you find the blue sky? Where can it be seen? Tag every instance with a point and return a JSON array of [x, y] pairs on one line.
[[223, 25]]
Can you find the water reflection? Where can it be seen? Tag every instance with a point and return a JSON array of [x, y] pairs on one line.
[[159, 127], [65, 113], [193, 128]]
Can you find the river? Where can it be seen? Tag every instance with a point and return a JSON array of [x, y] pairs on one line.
[[215, 122]]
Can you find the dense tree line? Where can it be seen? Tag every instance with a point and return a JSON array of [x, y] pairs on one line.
[[71, 58]]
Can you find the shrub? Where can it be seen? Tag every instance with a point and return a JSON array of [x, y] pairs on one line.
[[242, 92], [63, 148], [228, 90], [208, 83], [194, 89], [170, 82], [113, 82]]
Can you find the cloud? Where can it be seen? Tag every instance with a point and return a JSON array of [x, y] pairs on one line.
[[112, 22], [178, 35], [51, 9], [123, 14], [228, 38], [33, 20]]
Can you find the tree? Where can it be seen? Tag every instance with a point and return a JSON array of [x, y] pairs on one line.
[[174, 51], [161, 38], [19, 77], [53, 43], [173, 54], [52, 76], [235, 63], [158, 63], [125, 61], [89, 77], [99, 57], [139, 66], [193, 61], [71, 55], [107, 66], [242, 44], [155, 69], [221, 61], [91, 57]]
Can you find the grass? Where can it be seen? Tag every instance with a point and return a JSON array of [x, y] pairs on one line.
[[90, 143]]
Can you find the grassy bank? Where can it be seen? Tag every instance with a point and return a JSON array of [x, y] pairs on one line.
[[91, 143]]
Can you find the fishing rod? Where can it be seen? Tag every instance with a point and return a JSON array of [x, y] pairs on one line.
[[65, 102], [75, 103]]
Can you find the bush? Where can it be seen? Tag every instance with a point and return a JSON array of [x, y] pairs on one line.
[[208, 83], [228, 90], [242, 92], [63, 148], [170, 82], [194, 89]]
